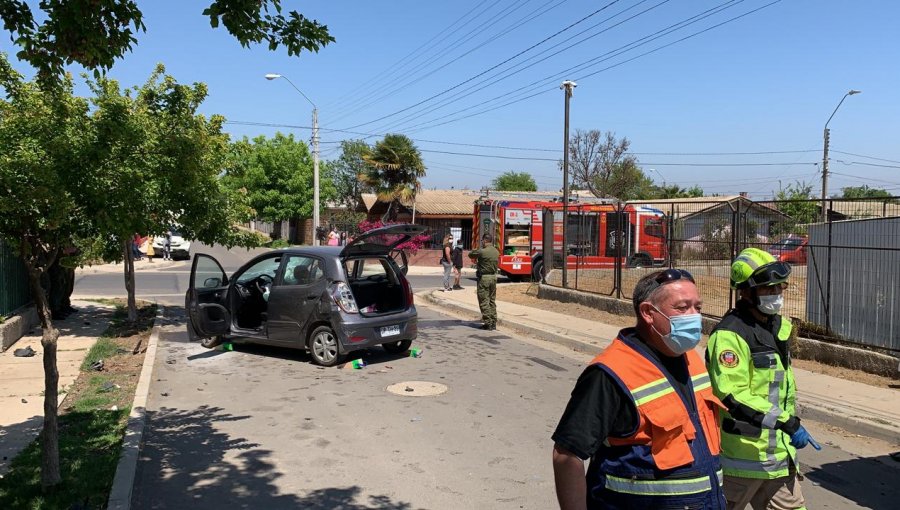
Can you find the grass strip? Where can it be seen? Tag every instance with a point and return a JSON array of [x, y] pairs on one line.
[[91, 429]]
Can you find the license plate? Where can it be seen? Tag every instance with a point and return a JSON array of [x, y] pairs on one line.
[[517, 266], [390, 330]]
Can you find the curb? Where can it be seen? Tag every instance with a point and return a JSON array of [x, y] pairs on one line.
[[123, 483], [540, 334], [809, 408], [844, 418]]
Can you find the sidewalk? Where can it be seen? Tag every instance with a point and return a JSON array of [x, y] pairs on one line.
[[22, 379], [139, 265], [853, 406]]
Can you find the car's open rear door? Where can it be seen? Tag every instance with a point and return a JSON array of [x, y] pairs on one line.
[[206, 299]]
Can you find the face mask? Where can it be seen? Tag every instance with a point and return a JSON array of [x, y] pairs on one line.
[[684, 332], [770, 305]]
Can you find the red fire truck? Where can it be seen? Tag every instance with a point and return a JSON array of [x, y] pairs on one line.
[[594, 230]]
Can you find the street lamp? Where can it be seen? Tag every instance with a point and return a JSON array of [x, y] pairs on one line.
[[315, 143], [827, 135]]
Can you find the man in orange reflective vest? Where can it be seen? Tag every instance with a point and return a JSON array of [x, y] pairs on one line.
[[644, 412]]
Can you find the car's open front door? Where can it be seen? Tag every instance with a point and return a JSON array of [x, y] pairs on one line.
[[206, 299]]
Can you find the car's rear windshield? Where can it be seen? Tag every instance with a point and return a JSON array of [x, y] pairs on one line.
[[363, 268]]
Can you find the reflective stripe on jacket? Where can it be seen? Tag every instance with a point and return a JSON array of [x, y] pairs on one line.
[[749, 366], [672, 455]]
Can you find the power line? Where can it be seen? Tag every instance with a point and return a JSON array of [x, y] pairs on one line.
[[864, 156], [400, 64], [590, 63], [491, 68], [864, 164], [407, 82], [524, 65]]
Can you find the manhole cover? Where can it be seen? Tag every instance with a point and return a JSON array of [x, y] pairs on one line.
[[417, 389]]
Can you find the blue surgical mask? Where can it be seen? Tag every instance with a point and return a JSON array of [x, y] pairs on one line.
[[684, 332]]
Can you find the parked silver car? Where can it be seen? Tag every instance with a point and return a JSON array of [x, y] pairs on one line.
[[329, 300]]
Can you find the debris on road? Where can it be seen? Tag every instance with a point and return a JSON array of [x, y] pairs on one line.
[[97, 365], [415, 352], [27, 352], [358, 363]]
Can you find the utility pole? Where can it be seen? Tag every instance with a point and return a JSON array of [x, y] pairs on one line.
[[824, 215], [315, 144], [827, 136], [568, 87]]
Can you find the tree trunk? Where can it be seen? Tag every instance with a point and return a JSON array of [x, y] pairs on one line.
[[50, 431], [129, 279]]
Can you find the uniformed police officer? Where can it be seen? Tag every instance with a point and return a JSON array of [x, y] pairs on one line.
[[486, 260], [749, 363]]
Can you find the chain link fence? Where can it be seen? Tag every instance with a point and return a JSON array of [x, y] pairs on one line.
[[14, 288], [845, 280]]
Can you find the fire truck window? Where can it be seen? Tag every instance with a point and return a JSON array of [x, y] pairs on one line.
[[654, 227]]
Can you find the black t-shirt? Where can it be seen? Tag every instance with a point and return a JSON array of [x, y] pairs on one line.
[[600, 408]]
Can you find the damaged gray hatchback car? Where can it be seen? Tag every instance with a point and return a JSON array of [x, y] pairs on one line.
[[329, 300]]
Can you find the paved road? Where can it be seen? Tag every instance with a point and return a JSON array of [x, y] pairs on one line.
[[264, 428], [168, 283]]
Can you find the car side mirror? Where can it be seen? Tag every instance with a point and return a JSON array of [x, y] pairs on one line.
[[212, 283]]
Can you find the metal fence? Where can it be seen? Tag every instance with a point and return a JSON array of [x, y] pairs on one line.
[[14, 288], [845, 281]]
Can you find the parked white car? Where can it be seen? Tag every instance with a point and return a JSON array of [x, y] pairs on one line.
[[179, 246]]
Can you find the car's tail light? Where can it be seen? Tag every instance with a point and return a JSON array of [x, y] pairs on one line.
[[343, 296], [409, 293]]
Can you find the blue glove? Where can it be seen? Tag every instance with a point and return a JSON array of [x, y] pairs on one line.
[[801, 438]]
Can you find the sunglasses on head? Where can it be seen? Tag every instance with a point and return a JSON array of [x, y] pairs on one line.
[[671, 275]]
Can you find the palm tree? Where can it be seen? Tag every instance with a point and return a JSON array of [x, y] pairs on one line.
[[394, 169]]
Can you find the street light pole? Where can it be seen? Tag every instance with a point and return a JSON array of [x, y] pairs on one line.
[[827, 139], [567, 86], [315, 148]]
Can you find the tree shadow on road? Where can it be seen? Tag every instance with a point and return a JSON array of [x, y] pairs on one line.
[[871, 482], [186, 462]]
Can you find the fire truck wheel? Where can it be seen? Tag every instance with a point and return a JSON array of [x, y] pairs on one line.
[[641, 260], [536, 269]]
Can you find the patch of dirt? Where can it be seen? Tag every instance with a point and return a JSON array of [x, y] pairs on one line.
[[526, 295], [848, 374], [122, 370]]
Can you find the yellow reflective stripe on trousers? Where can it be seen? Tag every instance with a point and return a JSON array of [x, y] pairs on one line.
[[660, 487], [651, 391]]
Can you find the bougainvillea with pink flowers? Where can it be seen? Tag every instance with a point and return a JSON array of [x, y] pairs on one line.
[[411, 246]]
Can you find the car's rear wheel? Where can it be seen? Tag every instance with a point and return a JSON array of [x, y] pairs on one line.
[[323, 347], [397, 347]]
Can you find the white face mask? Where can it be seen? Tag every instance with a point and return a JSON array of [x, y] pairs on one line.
[[771, 305]]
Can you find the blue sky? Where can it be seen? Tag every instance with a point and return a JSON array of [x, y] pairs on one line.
[[766, 82]]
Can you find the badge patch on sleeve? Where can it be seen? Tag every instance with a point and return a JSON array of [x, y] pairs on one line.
[[728, 359]]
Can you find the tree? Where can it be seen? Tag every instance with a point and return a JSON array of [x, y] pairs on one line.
[[94, 33], [864, 191], [277, 174], [344, 172], [155, 164], [797, 202], [675, 191], [394, 168], [601, 164], [43, 136], [514, 181]]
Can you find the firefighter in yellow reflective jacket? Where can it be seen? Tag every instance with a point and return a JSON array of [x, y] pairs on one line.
[[749, 364]]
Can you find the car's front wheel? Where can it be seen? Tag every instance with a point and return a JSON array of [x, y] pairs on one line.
[[398, 346], [211, 342], [323, 347]]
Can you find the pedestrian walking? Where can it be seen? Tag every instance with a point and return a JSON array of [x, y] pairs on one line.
[[643, 412], [749, 361], [167, 246], [486, 260], [457, 257], [149, 250], [447, 261]]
